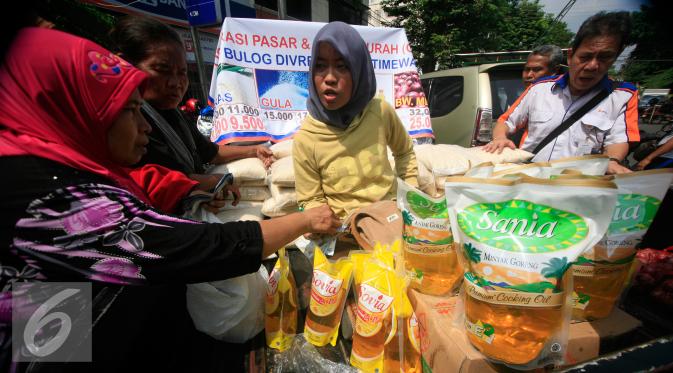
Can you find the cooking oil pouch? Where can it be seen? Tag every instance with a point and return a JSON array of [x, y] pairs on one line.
[[539, 169], [280, 321], [600, 272], [374, 326], [595, 164], [402, 354], [483, 170], [517, 240], [429, 256], [358, 258], [329, 290]]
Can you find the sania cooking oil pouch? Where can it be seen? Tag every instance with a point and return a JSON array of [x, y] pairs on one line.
[[429, 256], [517, 240], [601, 271]]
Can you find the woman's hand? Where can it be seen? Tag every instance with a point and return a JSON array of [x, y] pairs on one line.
[[322, 220], [219, 200], [497, 145], [265, 155]]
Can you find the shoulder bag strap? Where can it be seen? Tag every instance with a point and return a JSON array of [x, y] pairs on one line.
[[600, 96]]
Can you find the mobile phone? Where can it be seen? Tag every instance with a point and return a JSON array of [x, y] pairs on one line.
[[226, 179]]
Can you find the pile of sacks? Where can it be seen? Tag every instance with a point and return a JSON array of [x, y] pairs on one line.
[[251, 178], [271, 193], [263, 192], [283, 199], [436, 162]]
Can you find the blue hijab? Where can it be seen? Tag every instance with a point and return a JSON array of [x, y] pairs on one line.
[[352, 48]]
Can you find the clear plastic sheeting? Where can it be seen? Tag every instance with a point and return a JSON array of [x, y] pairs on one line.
[[303, 357]]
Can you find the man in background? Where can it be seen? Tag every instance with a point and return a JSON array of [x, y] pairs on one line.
[[544, 60]]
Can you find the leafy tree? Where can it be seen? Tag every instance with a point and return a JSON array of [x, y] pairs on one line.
[[78, 18], [651, 62], [471, 253], [528, 26], [407, 217], [555, 268], [437, 30]]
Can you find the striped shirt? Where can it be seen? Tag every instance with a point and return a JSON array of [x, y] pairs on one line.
[[545, 104]]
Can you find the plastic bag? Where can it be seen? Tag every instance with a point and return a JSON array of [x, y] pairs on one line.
[[230, 310], [303, 357]]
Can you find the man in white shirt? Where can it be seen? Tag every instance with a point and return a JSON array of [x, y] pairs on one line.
[[607, 128]]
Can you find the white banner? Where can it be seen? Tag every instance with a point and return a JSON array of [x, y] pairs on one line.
[[260, 78]]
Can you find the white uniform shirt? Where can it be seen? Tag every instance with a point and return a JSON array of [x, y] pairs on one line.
[[546, 103]]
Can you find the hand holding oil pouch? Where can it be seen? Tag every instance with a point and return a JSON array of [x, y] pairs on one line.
[[517, 239]]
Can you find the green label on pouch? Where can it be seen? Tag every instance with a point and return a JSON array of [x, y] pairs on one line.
[[481, 330], [633, 213], [522, 226], [426, 208]]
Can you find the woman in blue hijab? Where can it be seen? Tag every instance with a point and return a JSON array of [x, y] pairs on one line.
[[340, 151]]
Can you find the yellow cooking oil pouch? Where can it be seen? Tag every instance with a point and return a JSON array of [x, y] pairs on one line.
[[329, 290], [402, 352], [517, 240], [374, 324], [280, 321]]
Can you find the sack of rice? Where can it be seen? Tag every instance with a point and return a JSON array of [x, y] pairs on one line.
[[282, 172], [441, 158], [282, 149], [244, 170], [273, 207], [252, 193], [247, 211]]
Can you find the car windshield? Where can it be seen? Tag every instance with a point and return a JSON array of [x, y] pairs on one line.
[[645, 100], [506, 87]]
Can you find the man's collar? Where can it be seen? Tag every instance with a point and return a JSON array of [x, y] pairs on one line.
[[562, 83]]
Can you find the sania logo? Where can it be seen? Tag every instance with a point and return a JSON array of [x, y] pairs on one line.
[[325, 284], [519, 225], [634, 212], [425, 208], [373, 300]]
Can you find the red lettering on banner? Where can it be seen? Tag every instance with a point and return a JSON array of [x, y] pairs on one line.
[[382, 48], [274, 41], [236, 38], [276, 103]]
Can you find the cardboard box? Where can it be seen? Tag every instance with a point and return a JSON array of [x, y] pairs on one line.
[[445, 347]]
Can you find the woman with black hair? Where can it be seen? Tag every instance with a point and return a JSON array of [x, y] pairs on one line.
[[157, 49]]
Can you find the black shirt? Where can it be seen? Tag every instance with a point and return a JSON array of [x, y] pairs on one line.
[[202, 150]]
